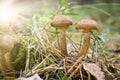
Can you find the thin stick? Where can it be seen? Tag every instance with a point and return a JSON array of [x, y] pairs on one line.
[[79, 59], [76, 70]]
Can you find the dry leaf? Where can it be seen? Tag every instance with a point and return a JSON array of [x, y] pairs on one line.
[[71, 49], [94, 70], [34, 77]]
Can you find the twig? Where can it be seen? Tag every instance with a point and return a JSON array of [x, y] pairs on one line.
[[76, 70], [79, 59]]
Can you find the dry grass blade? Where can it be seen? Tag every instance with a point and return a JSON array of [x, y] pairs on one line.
[[38, 65], [47, 68]]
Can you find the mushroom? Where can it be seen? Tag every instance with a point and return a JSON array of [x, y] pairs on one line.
[[7, 43], [87, 25], [62, 22]]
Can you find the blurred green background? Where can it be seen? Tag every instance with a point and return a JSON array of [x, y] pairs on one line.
[[106, 12]]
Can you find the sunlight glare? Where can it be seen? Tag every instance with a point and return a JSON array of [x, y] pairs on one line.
[[7, 13]]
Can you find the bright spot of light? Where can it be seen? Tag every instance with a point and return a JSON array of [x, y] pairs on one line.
[[7, 13]]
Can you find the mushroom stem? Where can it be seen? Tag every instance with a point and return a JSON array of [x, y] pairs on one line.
[[5, 63], [2, 64], [63, 47], [85, 46], [8, 59]]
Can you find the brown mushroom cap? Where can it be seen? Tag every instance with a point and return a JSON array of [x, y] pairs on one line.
[[7, 42], [87, 25], [61, 22]]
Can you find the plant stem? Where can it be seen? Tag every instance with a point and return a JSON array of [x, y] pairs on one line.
[[63, 47], [85, 46], [27, 66]]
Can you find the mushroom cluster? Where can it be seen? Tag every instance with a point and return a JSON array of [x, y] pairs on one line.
[[62, 22], [7, 43], [87, 25]]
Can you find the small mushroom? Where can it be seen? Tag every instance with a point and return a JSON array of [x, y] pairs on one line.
[[62, 22], [7, 43], [87, 25]]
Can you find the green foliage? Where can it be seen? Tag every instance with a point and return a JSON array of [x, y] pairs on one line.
[[64, 3]]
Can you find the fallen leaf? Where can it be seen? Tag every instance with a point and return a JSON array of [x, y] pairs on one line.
[[94, 70]]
